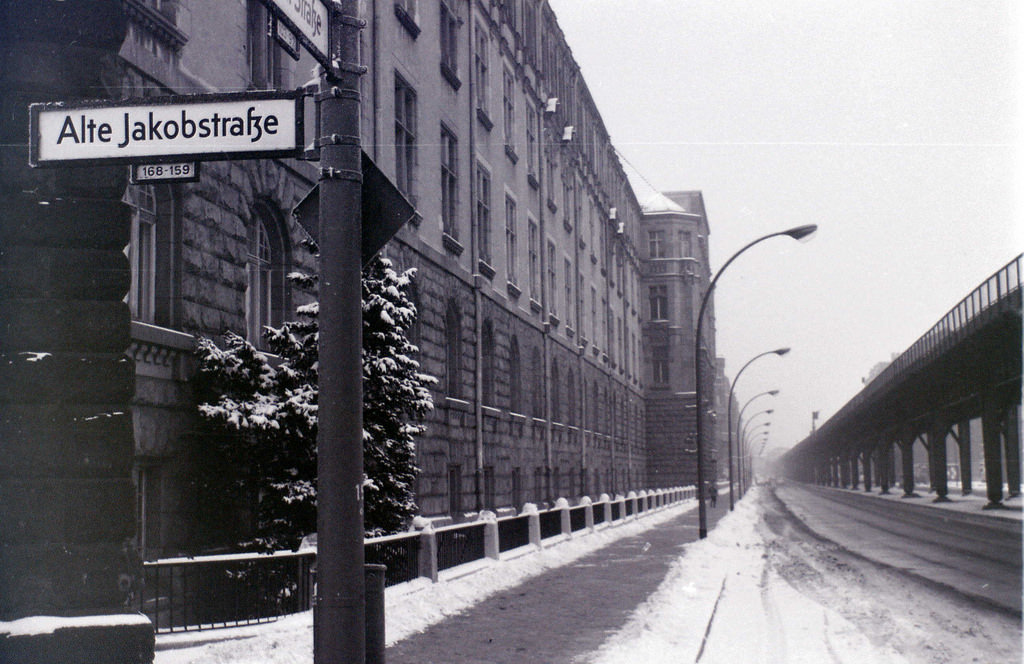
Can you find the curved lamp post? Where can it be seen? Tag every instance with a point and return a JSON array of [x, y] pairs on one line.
[[739, 418], [777, 351], [745, 445], [798, 233]]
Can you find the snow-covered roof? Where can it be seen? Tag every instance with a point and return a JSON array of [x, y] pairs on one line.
[[659, 203]]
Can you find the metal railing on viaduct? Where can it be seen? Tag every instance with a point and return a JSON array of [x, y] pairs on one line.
[[967, 367]]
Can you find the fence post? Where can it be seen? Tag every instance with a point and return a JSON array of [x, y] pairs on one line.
[[530, 510], [563, 504], [428, 548], [588, 512], [607, 500], [375, 641], [631, 497], [642, 501], [490, 520]]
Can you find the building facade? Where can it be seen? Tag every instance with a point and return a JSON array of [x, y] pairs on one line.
[[675, 273], [535, 264]]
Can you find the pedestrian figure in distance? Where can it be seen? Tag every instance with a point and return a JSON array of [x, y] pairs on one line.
[[713, 493]]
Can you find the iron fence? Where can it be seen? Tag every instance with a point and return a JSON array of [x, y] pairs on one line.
[[400, 553], [550, 523], [458, 545], [598, 513], [513, 532], [184, 594], [577, 518], [616, 510]]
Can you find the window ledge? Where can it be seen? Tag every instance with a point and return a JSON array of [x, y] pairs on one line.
[[484, 119], [510, 152], [552, 206], [553, 320], [569, 332], [513, 290], [535, 305], [566, 225], [449, 75], [532, 179], [451, 244], [485, 269], [407, 21]]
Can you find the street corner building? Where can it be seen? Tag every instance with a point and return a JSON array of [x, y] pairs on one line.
[[555, 308]]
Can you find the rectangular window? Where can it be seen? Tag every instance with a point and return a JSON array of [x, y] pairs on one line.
[[685, 244], [517, 487], [552, 288], [569, 281], [480, 65], [483, 212], [405, 136], [593, 314], [508, 105], [489, 488], [529, 31], [449, 41], [534, 240], [454, 488], [510, 239], [449, 183], [659, 302], [532, 122], [656, 244], [659, 364], [265, 70]]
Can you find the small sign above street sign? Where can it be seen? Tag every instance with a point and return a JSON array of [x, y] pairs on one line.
[[167, 129], [309, 20], [164, 173]]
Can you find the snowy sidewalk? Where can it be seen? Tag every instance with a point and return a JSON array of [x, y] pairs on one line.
[[564, 613]]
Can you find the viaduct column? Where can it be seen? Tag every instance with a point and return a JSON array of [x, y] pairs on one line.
[[907, 449], [866, 460], [937, 461], [963, 439], [66, 442], [884, 466]]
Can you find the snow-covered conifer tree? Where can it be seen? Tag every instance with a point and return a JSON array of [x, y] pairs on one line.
[[270, 405]]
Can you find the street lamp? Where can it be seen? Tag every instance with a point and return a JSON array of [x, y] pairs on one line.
[[745, 447], [797, 233], [778, 351]]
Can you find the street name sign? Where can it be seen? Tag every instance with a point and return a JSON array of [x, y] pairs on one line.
[[309, 20], [167, 129]]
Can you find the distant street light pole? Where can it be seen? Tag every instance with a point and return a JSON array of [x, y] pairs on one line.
[[798, 233], [739, 418], [745, 445], [732, 387]]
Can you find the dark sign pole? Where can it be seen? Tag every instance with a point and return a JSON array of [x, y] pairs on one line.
[[339, 624]]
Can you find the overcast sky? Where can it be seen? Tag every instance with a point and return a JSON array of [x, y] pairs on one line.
[[890, 124]]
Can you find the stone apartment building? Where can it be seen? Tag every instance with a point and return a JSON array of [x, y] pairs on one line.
[[675, 274], [562, 367]]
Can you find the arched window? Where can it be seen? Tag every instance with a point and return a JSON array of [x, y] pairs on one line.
[[515, 377], [487, 357], [154, 255], [266, 299], [452, 349], [556, 411]]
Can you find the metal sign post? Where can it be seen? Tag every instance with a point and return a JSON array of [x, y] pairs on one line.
[[339, 626]]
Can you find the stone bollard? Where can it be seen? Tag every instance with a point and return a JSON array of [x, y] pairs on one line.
[[632, 499], [563, 504], [607, 500], [530, 510], [642, 501], [428, 548], [588, 512], [490, 520]]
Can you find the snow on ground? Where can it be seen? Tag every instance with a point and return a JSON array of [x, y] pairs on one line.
[[753, 592], [409, 607]]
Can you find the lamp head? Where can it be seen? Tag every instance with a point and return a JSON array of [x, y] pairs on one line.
[[781, 351], [770, 411], [801, 232], [773, 392]]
